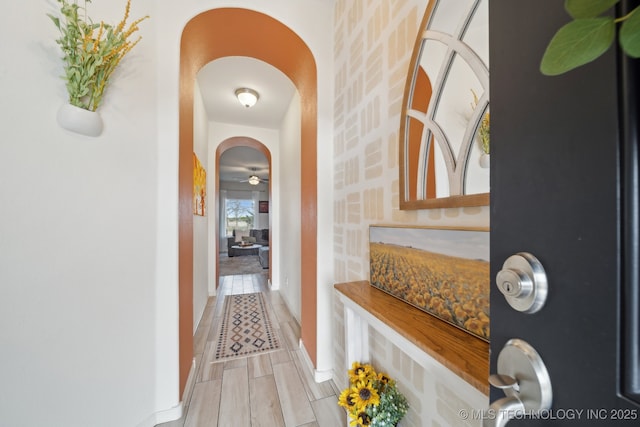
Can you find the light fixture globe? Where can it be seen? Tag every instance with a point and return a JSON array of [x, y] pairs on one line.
[[254, 180], [247, 97]]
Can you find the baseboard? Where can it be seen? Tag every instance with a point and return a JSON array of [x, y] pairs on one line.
[[318, 376], [174, 413], [188, 388], [286, 303], [163, 416]]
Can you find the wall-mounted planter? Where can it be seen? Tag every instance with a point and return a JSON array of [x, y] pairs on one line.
[[79, 120], [485, 160]]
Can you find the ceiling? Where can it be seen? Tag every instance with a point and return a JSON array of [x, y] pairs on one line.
[[237, 163], [218, 81]]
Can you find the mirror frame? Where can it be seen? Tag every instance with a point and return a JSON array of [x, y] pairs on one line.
[[478, 199]]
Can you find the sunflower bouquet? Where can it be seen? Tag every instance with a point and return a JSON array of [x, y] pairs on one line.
[[372, 399]]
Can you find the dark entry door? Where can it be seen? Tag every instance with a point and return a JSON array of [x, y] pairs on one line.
[[562, 169]]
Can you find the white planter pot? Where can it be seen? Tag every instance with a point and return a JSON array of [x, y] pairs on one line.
[[485, 161], [79, 120]]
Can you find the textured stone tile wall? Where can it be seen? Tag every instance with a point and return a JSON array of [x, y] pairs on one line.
[[373, 42]]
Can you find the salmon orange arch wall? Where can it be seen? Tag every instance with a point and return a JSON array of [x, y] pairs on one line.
[[218, 33]]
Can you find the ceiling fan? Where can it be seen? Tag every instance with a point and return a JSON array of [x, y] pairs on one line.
[[254, 179]]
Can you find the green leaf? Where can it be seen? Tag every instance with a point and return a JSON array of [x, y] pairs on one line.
[[577, 43], [55, 20], [580, 9], [630, 34]]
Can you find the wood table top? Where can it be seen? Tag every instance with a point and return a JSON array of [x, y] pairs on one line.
[[462, 353]]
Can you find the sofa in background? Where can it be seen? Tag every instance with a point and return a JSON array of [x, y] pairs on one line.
[[260, 237], [263, 256]]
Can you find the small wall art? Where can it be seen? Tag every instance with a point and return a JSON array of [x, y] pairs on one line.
[[199, 188], [442, 271], [263, 206]]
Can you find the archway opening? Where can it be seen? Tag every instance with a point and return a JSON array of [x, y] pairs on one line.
[[219, 33], [226, 145]]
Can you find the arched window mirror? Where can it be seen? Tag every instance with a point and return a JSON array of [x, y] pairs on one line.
[[445, 115]]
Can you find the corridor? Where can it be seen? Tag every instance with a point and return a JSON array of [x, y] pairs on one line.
[[267, 390]]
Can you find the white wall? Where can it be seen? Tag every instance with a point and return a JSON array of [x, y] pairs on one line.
[[289, 228], [201, 223], [89, 226], [78, 231]]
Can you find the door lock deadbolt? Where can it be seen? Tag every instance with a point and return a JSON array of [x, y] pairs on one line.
[[523, 282]]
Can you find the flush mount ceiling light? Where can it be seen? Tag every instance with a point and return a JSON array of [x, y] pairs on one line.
[[247, 97], [254, 180]]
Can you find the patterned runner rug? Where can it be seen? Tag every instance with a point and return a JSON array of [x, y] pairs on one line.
[[246, 328]]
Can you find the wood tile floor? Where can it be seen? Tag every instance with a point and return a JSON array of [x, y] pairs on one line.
[[268, 390]]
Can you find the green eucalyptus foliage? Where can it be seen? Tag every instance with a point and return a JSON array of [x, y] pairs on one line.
[[630, 34], [589, 35], [580, 9], [91, 52]]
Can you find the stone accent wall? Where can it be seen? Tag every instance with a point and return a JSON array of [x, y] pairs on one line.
[[373, 42]]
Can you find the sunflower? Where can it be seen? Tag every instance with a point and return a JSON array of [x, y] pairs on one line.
[[346, 401], [363, 419], [360, 372], [383, 378], [363, 393], [372, 399]]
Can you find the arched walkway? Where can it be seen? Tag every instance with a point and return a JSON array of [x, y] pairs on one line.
[[239, 141], [223, 32]]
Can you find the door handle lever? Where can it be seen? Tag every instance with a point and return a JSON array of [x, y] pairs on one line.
[[503, 410], [523, 378]]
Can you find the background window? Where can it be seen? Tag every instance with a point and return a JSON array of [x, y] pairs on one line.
[[240, 214]]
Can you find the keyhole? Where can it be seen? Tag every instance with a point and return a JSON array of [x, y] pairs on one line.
[[523, 282]]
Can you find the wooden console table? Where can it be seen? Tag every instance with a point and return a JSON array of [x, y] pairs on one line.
[[461, 353]]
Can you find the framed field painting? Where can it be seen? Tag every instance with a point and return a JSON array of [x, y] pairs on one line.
[[442, 271]]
